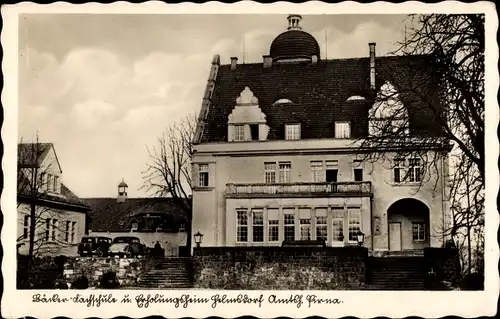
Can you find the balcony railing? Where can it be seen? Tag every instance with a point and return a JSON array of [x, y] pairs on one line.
[[342, 188]]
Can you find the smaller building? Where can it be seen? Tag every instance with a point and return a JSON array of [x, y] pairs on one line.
[[162, 220], [43, 199]]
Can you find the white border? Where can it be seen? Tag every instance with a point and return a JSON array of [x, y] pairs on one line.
[[355, 303]]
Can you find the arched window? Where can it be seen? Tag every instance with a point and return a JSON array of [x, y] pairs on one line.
[[283, 101], [388, 116], [356, 98]]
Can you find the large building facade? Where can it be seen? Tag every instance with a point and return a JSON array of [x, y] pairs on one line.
[[281, 151]]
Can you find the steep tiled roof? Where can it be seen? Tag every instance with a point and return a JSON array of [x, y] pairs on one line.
[[319, 92], [26, 153], [109, 215]]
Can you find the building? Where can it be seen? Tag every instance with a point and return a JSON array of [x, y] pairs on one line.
[[59, 215], [279, 151], [149, 219]]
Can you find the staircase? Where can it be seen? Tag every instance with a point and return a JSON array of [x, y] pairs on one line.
[[169, 273], [396, 273]]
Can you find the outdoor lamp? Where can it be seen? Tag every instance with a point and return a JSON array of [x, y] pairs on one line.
[[361, 238], [197, 238]]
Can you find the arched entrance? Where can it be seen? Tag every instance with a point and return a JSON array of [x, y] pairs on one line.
[[408, 221]]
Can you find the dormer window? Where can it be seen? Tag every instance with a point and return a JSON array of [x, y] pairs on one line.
[[292, 131], [342, 130], [239, 133]]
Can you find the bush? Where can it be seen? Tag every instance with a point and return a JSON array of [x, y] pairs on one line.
[[109, 281], [474, 281], [80, 283]]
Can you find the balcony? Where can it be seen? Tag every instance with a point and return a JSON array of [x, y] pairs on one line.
[[325, 189]]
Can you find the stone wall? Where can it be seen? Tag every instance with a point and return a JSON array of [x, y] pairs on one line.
[[127, 269], [264, 268]]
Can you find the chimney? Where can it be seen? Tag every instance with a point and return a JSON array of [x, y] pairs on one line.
[[314, 59], [372, 65], [234, 60], [268, 61]]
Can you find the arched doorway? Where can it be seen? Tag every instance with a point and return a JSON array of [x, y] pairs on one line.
[[408, 220]]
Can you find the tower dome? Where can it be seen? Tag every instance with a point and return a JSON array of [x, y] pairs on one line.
[[294, 43]]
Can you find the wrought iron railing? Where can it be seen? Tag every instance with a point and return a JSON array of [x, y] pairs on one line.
[[299, 188]]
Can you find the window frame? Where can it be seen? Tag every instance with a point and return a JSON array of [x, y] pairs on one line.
[[421, 227], [203, 175], [292, 131], [360, 217], [338, 220], [340, 130], [285, 173], [238, 135], [270, 172], [275, 225], [288, 223], [412, 175], [242, 228], [318, 171], [259, 226], [400, 166]]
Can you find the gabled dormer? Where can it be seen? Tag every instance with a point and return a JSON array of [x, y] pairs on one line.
[[247, 122]]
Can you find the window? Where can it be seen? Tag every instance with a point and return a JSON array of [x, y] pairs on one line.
[[284, 172], [67, 231], [342, 130], [399, 170], [305, 223], [321, 227], [358, 171], [239, 133], [270, 171], [55, 226], [26, 226], [56, 185], [415, 170], [49, 183], [73, 232], [242, 226], [331, 171], [292, 131], [43, 182], [354, 219], [338, 225], [254, 132], [289, 221], [258, 226], [317, 171], [47, 229], [272, 217], [203, 175], [418, 230]]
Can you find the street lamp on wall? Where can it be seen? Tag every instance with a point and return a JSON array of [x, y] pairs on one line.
[[360, 238], [197, 239]]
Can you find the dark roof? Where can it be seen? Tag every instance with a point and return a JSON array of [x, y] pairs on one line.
[[294, 44], [109, 215], [319, 92], [26, 153]]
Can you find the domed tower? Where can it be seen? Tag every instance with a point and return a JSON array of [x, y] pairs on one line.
[[122, 191], [294, 44]]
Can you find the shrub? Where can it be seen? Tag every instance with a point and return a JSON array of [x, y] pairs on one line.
[[80, 283], [109, 281]]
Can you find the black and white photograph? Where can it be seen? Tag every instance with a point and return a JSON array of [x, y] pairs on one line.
[[285, 158]]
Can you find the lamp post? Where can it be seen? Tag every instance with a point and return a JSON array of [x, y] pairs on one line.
[[360, 238], [197, 239]]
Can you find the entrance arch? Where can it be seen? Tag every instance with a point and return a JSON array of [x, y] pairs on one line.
[[408, 225]]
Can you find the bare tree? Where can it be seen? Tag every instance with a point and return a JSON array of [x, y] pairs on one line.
[[168, 174], [44, 227], [446, 56]]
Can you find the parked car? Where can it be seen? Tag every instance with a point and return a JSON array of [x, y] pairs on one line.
[[94, 245], [127, 246]]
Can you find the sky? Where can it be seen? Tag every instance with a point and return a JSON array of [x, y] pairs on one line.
[[104, 87]]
